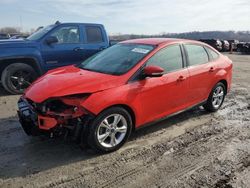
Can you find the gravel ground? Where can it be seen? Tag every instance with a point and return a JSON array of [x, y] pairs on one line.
[[192, 149]]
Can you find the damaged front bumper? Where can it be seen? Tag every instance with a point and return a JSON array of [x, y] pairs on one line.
[[28, 118], [35, 123]]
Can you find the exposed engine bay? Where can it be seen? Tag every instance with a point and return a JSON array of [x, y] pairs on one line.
[[60, 116]]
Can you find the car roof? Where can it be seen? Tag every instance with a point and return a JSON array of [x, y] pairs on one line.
[[88, 24], [158, 41]]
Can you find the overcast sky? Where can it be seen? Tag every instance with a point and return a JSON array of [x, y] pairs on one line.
[[130, 16]]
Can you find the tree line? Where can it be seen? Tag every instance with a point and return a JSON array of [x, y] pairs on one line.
[[14, 30], [195, 35]]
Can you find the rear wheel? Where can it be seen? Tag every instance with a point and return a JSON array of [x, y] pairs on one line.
[[17, 77], [216, 97], [110, 130]]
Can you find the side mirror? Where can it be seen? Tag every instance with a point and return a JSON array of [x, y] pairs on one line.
[[51, 40], [153, 71]]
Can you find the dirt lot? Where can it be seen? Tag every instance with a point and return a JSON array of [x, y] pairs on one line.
[[192, 149]]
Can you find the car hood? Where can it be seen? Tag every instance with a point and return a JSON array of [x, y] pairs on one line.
[[68, 81], [16, 43], [10, 40]]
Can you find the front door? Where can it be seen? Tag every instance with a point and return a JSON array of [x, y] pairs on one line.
[[68, 50], [164, 95]]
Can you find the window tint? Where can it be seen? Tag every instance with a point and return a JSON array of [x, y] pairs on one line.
[[212, 53], [196, 54], [94, 34], [169, 58], [67, 34]]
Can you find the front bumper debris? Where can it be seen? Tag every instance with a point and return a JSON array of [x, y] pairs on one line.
[[27, 118], [34, 122]]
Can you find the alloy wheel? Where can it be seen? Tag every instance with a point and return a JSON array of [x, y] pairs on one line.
[[21, 79], [112, 130], [218, 96]]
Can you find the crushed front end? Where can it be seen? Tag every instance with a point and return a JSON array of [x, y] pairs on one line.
[[55, 117]]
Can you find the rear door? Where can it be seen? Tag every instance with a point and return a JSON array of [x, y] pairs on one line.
[[164, 95], [95, 39], [201, 72]]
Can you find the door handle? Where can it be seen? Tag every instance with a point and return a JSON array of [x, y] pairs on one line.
[[78, 49], [181, 78], [211, 69]]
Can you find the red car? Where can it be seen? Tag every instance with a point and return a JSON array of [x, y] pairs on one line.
[[124, 87]]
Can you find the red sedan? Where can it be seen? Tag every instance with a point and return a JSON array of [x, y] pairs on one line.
[[124, 87]]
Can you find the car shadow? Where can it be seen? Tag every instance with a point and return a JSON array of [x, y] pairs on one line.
[[21, 155], [169, 121]]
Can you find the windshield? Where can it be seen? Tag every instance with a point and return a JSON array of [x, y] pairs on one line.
[[40, 33], [117, 59]]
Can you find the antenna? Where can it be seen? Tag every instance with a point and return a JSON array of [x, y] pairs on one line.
[[21, 23]]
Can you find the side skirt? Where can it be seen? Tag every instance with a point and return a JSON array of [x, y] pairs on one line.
[[170, 115]]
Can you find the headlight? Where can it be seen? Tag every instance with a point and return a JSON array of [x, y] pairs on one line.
[[69, 104]]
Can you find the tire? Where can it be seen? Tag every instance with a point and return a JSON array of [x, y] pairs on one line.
[[99, 125], [17, 77], [218, 90]]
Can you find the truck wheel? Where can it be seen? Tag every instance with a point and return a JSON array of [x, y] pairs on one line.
[[215, 98], [110, 130], [17, 77]]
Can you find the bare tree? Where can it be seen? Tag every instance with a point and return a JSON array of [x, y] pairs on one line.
[[10, 30]]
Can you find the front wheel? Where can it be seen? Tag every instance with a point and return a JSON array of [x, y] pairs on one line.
[[110, 130], [17, 77], [216, 97]]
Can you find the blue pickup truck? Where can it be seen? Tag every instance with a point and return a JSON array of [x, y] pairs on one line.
[[60, 44]]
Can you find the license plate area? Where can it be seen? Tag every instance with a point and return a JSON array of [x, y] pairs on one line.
[[22, 104], [25, 110]]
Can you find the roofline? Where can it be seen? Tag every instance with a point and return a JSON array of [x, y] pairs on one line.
[[80, 23], [164, 41]]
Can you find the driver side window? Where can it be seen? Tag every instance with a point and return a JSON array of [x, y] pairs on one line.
[[69, 34], [169, 58]]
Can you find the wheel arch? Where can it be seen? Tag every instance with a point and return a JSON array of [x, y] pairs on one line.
[[222, 76], [224, 82], [31, 61], [128, 109]]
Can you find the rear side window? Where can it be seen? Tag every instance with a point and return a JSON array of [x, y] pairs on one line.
[[169, 58], [196, 54], [212, 53], [94, 34]]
